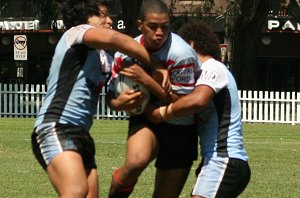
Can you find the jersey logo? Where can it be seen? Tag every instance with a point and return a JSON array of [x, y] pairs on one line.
[[208, 76], [183, 75]]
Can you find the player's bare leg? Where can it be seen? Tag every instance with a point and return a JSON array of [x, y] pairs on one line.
[[169, 183], [68, 176], [93, 183], [140, 151]]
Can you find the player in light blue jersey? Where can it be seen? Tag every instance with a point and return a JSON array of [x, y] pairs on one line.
[[173, 143], [224, 171], [61, 141]]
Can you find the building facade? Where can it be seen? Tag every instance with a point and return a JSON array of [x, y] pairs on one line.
[[27, 44], [278, 51]]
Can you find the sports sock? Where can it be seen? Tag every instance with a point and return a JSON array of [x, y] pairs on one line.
[[118, 189]]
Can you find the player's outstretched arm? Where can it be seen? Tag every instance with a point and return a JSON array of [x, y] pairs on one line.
[[189, 104], [113, 40]]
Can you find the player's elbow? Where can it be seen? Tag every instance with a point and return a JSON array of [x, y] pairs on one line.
[[199, 104], [202, 96]]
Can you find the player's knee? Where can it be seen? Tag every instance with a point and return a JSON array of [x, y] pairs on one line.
[[75, 191], [138, 162]]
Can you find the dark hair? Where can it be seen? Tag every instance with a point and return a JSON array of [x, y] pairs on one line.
[[205, 40], [156, 6], [76, 12]]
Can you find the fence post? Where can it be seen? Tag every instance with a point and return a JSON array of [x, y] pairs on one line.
[[10, 100], [21, 100], [37, 99], [266, 107], [5, 100], [0, 100], [26, 100], [16, 101], [255, 106], [298, 107], [288, 107], [260, 106], [282, 106], [249, 109], [277, 110], [293, 108], [240, 99], [244, 103], [272, 106], [32, 100]]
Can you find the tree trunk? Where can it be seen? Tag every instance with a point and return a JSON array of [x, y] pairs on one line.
[[247, 31], [131, 9]]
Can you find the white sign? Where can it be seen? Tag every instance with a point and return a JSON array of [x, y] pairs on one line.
[[59, 24], [121, 25], [223, 48], [28, 25], [19, 25], [20, 72], [20, 47], [283, 25]]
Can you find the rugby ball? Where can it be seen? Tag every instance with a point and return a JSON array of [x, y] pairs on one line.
[[123, 83]]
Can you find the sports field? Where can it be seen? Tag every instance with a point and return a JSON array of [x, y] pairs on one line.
[[274, 152]]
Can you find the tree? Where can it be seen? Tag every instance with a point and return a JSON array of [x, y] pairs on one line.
[[243, 23], [50, 10], [243, 33]]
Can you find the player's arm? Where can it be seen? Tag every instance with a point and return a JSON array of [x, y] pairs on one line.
[[137, 73], [125, 101], [113, 40], [186, 105], [200, 97]]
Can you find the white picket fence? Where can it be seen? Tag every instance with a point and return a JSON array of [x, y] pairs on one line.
[[270, 107], [18, 100]]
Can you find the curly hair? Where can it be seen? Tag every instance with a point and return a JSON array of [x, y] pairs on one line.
[[205, 40], [76, 12]]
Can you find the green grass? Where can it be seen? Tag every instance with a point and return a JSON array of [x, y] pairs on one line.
[[274, 152]]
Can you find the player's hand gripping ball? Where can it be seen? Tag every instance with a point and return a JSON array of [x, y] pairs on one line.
[[123, 84]]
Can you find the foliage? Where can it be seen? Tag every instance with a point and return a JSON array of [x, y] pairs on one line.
[[243, 20], [192, 9], [230, 16], [50, 10], [273, 150], [233, 12]]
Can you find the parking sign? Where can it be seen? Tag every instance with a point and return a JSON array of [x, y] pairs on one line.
[[20, 47]]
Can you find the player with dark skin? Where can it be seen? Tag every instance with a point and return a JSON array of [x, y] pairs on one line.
[[144, 142]]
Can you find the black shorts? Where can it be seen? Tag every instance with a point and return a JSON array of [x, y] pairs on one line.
[[221, 177], [52, 139], [178, 144]]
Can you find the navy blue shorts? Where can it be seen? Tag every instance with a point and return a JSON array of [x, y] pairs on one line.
[[221, 177], [50, 139], [178, 144]]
